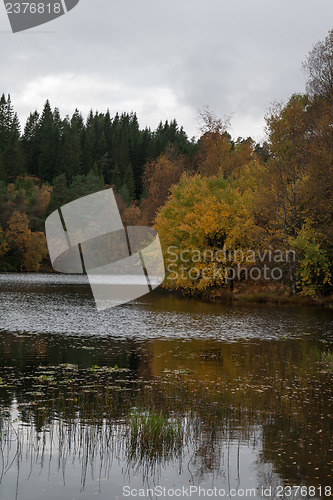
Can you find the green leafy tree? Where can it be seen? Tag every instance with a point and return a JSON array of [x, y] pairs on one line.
[[314, 265]]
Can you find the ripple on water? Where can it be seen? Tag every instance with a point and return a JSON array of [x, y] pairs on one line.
[[63, 304]]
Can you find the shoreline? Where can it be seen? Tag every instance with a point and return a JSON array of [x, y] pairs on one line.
[[250, 295], [254, 297]]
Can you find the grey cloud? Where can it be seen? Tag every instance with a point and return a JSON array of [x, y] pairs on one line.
[[165, 59]]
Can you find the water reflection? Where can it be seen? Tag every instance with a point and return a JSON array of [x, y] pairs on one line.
[[159, 392]]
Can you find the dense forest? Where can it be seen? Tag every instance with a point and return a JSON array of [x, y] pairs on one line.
[[270, 203]]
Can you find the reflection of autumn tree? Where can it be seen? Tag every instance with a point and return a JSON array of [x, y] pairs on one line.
[[28, 246], [227, 392], [275, 384]]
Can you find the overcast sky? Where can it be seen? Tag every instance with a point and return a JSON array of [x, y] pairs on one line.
[[165, 59]]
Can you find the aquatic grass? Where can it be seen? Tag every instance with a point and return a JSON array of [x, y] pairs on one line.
[[327, 358], [152, 433]]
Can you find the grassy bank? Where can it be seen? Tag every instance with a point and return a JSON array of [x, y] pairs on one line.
[[258, 295]]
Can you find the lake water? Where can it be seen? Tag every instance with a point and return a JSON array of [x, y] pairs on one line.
[[161, 397]]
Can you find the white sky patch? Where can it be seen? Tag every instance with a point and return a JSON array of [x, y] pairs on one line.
[[62, 92], [152, 105], [240, 125]]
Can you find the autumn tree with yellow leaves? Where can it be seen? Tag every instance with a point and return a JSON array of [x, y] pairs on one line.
[[29, 247], [203, 217]]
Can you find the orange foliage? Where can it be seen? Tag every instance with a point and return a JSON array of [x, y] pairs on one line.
[[131, 215], [219, 155], [30, 247], [41, 197], [159, 177]]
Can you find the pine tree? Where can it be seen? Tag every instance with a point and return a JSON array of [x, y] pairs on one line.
[[116, 178], [49, 141], [11, 152], [129, 182], [30, 143], [60, 195], [3, 170], [69, 158], [124, 194]]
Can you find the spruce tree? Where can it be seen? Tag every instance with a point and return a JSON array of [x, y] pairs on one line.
[[30, 143], [49, 140], [116, 178], [69, 159], [129, 182], [11, 151], [124, 194], [60, 194]]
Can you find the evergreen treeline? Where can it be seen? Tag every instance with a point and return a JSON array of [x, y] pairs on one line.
[[50, 146]]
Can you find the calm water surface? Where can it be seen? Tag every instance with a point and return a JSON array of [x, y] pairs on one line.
[[247, 385]]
